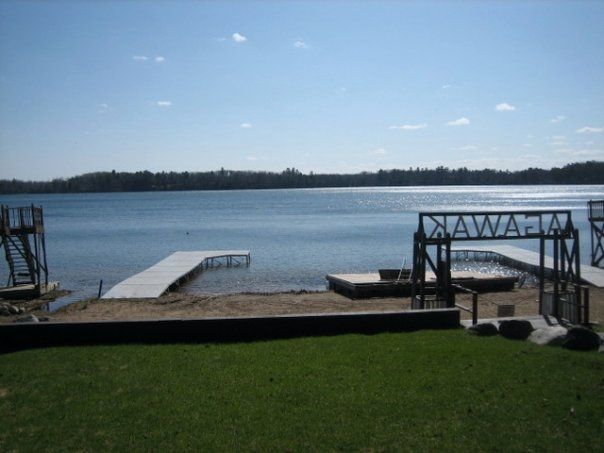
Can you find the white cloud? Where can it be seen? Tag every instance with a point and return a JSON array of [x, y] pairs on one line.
[[300, 45], [444, 87], [463, 121], [163, 103], [527, 145], [557, 119], [378, 152], [501, 163], [104, 106], [581, 153], [409, 127], [465, 148], [254, 158], [140, 58], [246, 125], [557, 140], [159, 59], [504, 107], [588, 129], [238, 37]]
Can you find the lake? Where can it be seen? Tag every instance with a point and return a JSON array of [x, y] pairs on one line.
[[295, 236]]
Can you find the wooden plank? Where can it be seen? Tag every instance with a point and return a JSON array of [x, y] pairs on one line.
[[156, 280], [527, 258]]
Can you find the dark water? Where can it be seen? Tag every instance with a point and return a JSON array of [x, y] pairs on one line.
[[295, 236]]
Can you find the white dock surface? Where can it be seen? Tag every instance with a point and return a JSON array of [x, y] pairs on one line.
[[155, 281], [592, 275]]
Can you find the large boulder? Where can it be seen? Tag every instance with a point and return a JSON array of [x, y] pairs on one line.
[[28, 318], [515, 329], [581, 339], [485, 329], [552, 336]]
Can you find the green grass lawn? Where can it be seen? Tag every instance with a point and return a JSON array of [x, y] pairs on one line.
[[411, 391]]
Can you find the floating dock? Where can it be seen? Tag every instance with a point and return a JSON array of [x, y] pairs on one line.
[[172, 271], [522, 259], [364, 286]]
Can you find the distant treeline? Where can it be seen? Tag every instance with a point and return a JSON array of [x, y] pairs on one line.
[[577, 173]]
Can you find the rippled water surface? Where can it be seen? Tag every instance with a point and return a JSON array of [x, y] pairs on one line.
[[295, 236]]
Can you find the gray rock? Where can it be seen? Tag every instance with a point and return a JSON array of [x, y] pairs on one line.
[[13, 310], [4, 311], [28, 318], [582, 339], [515, 329], [485, 329], [552, 336]]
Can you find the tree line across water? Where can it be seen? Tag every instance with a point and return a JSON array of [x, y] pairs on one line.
[[111, 181]]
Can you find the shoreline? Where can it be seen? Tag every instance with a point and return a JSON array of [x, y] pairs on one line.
[[186, 306]]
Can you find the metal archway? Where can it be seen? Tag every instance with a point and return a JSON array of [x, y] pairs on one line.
[[437, 230]]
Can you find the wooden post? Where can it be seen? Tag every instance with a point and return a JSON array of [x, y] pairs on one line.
[[474, 308]]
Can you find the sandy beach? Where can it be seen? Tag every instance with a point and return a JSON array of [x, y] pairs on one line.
[[177, 305]]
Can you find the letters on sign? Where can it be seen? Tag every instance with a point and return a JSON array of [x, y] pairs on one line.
[[495, 225]]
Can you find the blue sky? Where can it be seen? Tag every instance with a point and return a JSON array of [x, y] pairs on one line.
[[320, 86]]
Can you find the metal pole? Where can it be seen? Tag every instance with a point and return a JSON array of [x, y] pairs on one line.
[[541, 272], [422, 270], [556, 264], [450, 291], [577, 273]]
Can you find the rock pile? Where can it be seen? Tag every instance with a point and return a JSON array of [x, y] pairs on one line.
[[577, 338], [7, 309]]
